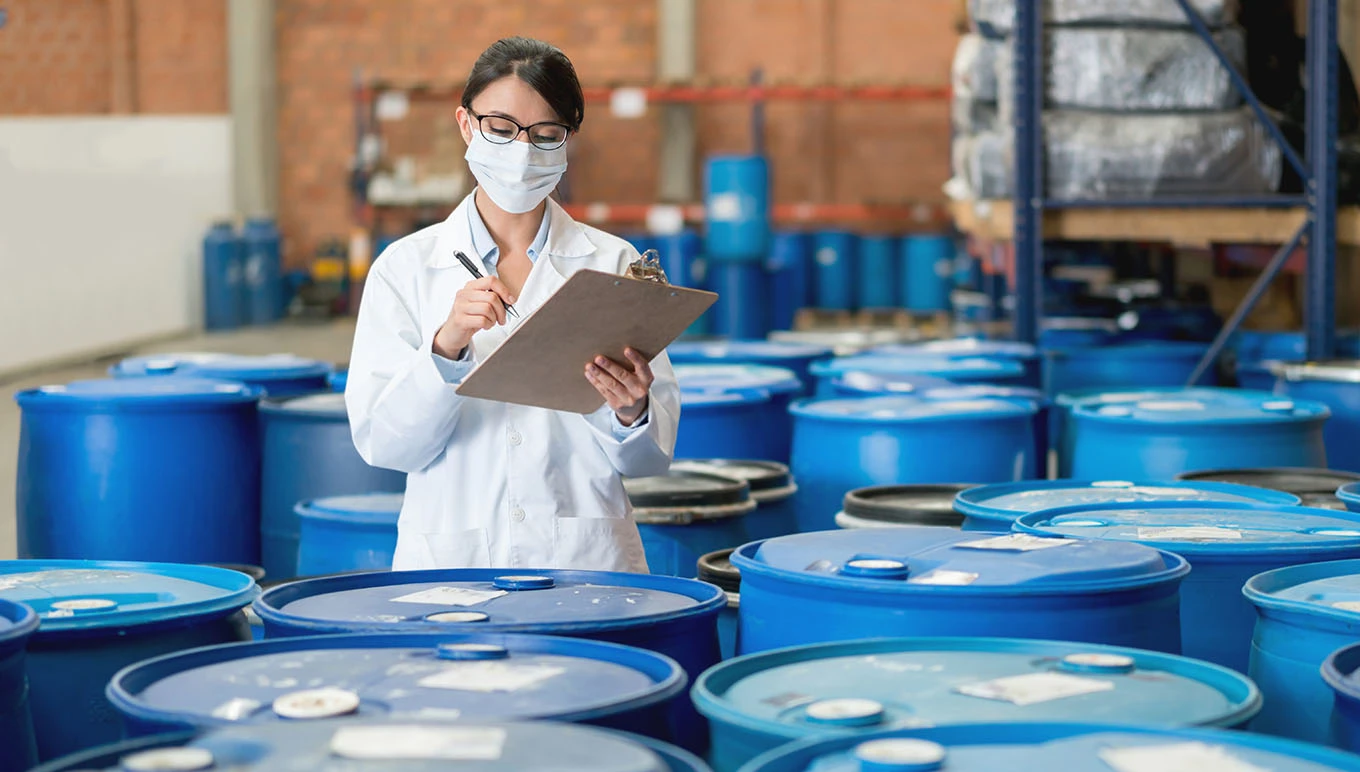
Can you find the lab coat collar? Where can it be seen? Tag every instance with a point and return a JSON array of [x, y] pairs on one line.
[[566, 237]]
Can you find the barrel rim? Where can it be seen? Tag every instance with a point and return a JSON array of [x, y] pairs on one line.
[[57, 398], [861, 503], [775, 381], [936, 365], [728, 580], [1349, 494], [1326, 371], [776, 485], [102, 756], [303, 367], [1313, 412], [727, 491], [317, 510], [693, 351], [280, 407], [1139, 350], [710, 689], [1206, 475], [972, 504], [984, 347], [807, 409], [23, 623], [1260, 590], [123, 689], [1335, 673]]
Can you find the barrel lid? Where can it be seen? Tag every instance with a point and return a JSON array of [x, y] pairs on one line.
[[937, 560], [406, 601], [764, 477], [743, 351], [984, 391], [717, 399], [905, 409], [1206, 529], [907, 504], [939, 681], [1139, 350], [325, 404], [736, 377], [716, 568], [80, 595], [377, 508], [962, 347], [139, 392], [17, 622], [1331, 371], [1300, 481], [1328, 590], [1288, 345], [687, 489], [327, 676], [961, 368], [1079, 323], [1172, 408], [226, 366], [844, 342], [858, 381], [1341, 671], [1007, 501]]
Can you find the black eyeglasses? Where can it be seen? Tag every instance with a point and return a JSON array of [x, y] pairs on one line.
[[502, 131]]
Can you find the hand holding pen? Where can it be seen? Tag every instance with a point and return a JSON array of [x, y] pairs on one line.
[[476, 274], [480, 305]]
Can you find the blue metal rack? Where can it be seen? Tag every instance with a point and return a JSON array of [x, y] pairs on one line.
[[1318, 171]]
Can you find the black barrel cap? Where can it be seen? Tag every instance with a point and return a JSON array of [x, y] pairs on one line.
[[686, 489], [716, 568], [760, 475], [908, 504], [1298, 481]]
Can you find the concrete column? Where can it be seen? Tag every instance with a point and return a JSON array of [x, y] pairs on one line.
[[253, 100], [675, 47]]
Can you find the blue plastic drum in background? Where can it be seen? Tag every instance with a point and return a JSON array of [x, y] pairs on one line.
[[996, 507], [1038, 468], [742, 310], [790, 276], [224, 296], [140, 469], [347, 533], [98, 617], [683, 261], [716, 568], [773, 489], [280, 375], [685, 514], [834, 261], [845, 444], [19, 751], [1158, 439], [736, 410], [1126, 366], [962, 370], [927, 272], [928, 582], [1258, 354], [1226, 543], [857, 383], [1335, 384], [1066, 332], [308, 453], [973, 348], [265, 299], [643, 241], [862, 687], [338, 380], [796, 357], [877, 274], [737, 208]]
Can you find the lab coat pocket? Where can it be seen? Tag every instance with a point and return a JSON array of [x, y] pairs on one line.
[[458, 549], [599, 544]]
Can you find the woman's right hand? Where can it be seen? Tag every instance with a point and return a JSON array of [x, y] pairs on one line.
[[479, 305]]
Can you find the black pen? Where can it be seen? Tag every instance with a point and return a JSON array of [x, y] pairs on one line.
[[472, 269]]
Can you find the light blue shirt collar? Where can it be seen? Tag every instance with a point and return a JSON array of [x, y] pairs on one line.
[[485, 246]]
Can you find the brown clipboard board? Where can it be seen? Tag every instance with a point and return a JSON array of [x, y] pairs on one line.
[[542, 363]]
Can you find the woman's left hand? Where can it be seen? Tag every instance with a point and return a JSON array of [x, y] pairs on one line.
[[624, 390]]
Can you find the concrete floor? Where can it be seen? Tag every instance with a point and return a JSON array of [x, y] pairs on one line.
[[326, 341]]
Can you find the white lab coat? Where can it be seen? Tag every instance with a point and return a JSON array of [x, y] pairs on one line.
[[492, 484]]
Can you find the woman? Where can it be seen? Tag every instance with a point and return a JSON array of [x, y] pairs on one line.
[[492, 484]]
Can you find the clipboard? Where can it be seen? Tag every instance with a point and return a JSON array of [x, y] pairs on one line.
[[542, 363]]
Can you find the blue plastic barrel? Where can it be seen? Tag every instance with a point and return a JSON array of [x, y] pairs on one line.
[[834, 267], [19, 751], [1038, 466], [716, 568], [1226, 543], [877, 274], [844, 444], [890, 683], [737, 208], [140, 469], [1125, 366], [683, 261], [858, 383], [484, 677], [643, 241], [1335, 384], [973, 348], [1002, 372], [686, 514], [1064, 332], [997, 507], [927, 272], [338, 380], [742, 310], [1256, 353], [773, 489], [223, 278], [280, 375], [736, 410], [98, 617], [967, 273], [797, 357], [1157, 439], [308, 453], [263, 271], [1341, 671], [1304, 613], [790, 275], [927, 581], [1065, 747], [347, 533]]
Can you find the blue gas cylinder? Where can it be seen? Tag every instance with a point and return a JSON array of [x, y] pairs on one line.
[[862, 687], [1124, 366], [833, 374], [928, 581], [737, 208], [927, 272], [686, 514], [1038, 466], [834, 267], [790, 276], [974, 348], [19, 751], [1335, 384], [797, 357], [140, 469], [280, 375], [877, 274], [263, 271], [844, 444], [736, 410], [1226, 543], [683, 261], [347, 533], [223, 278], [773, 489], [98, 617], [1157, 439], [308, 453], [742, 310]]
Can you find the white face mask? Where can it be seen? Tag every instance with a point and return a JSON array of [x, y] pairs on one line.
[[517, 175]]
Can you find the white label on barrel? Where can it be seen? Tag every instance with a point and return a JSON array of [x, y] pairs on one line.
[[1016, 542], [450, 596], [1190, 533], [944, 577], [1180, 757], [724, 207], [489, 676], [1034, 688], [409, 743]]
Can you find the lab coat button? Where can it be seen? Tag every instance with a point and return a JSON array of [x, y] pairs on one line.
[[515, 438], [517, 514]]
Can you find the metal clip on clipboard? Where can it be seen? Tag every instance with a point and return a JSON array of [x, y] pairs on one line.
[[648, 268]]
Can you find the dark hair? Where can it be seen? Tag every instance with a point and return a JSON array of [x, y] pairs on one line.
[[544, 67]]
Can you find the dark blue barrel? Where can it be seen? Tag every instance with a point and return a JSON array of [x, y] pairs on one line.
[[140, 469], [280, 375], [797, 357], [716, 568], [773, 490], [347, 533], [974, 348], [737, 208], [877, 274], [415, 744], [484, 677], [844, 444], [892, 682], [736, 410], [1226, 543], [1304, 613], [927, 272], [1341, 671], [1257, 354], [1002, 372], [1158, 439], [308, 453], [1314, 487], [834, 259], [684, 515], [98, 617], [1120, 747], [790, 274], [886, 506], [263, 271], [925, 581], [1063, 332], [19, 751], [338, 380], [742, 310], [683, 261], [223, 278], [1038, 467], [1335, 384], [997, 507], [1127, 366], [858, 383], [967, 273]]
